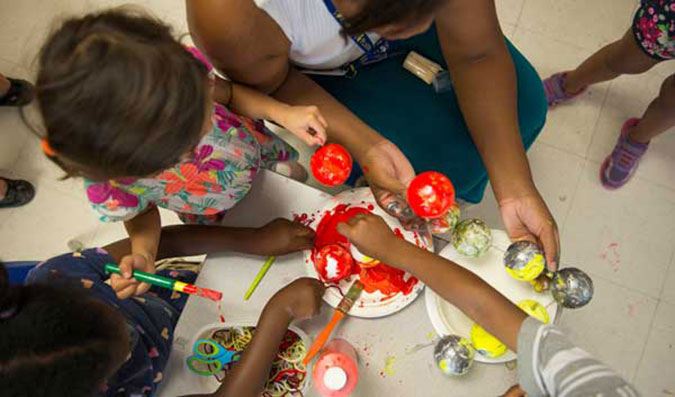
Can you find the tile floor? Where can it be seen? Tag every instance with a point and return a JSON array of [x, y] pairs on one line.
[[624, 238]]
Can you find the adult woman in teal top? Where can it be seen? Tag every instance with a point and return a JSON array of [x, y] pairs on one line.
[[496, 110]]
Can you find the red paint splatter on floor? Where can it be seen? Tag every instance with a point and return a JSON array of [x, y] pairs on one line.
[[612, 256], [632, 310], [221, 316]]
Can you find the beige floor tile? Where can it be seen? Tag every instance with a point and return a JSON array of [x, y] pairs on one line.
[[629, 97], [509, 11], [624, 235], [588, 24], [668, 289], [613, 327], [569, 126], [655, 374], [42, 228]]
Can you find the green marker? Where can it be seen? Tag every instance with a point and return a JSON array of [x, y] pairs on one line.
[[259, 277]]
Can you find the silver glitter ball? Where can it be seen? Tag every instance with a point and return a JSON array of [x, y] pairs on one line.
[[572, 288], [524, 260], [454, 355], [472, 237]]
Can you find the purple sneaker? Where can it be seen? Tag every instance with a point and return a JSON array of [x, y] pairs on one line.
[[555, 93], [620, 166]]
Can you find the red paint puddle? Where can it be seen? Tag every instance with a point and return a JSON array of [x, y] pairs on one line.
[[383, 278]]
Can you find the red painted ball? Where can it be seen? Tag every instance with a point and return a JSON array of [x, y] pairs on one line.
[[431, 194], [333, 262], [331, 164]]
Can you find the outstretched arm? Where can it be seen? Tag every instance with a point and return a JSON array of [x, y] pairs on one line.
[[462, 288], [278, 237]]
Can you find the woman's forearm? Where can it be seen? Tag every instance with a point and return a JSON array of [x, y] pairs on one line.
[[473, 296], [344, 127]]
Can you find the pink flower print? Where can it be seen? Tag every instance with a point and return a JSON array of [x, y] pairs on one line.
[[226, 119], [203, 161], [102, 192], [649, 29], [153, 352]]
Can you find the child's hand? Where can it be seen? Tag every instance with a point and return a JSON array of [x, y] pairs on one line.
[[300, 299], [370, 234], [282, 236], [126, 286], [305, 122]]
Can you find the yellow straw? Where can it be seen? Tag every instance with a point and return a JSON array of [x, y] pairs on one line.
[[259, 277]]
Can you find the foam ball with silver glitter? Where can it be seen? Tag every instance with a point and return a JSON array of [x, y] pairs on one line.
[[446, 222], [524, 260], [572, 288], [472, 237], [454, 355]]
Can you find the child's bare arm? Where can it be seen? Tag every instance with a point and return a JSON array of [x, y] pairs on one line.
[[144, 231], [278, 237], [468, 292], [306, 122], [299, 300]]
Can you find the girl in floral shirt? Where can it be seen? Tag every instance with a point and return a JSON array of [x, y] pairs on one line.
[[146, 123], [651, 40]]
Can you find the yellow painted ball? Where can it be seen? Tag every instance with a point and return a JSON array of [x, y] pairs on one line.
[[486, 344], [535, 309], [524, 260]]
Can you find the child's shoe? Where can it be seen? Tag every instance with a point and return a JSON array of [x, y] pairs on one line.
[[555, 91], [620, 166]]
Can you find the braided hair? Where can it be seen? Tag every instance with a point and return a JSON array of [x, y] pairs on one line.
[[53, 341]]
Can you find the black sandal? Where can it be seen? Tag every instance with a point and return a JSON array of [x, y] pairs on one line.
[[20, 93], [18, 193]]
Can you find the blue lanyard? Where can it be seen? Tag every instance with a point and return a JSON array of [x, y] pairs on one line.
[[374, 51]]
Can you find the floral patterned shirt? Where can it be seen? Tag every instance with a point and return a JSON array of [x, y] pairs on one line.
[[200, 189]]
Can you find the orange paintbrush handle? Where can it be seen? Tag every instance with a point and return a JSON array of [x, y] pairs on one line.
[[323, 337]]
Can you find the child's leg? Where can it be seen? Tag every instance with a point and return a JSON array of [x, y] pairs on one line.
[[620, 57], [659, 116]]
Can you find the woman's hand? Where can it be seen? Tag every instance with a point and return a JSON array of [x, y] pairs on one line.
[[305, 122], [124, 285], [389, 173], [300, 299], [370, 234], [282, 236], [526, 217]]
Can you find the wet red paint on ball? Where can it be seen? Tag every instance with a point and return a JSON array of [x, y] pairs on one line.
[[371, 207], [331, 164], [431, 194], [211, 294], [333, 262]]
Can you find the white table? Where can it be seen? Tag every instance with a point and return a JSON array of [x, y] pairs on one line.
[[400, 336]]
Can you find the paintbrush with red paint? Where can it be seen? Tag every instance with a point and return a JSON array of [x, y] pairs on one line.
[[341, 310]]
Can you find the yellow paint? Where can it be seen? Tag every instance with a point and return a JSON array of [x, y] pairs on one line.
[[485, 343], [389, 365], [179, 286], [431, 335], [535, 309], [532, 269]]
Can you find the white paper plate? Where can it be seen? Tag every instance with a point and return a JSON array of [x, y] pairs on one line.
[[369, 305], [210, 382], [447, 319]]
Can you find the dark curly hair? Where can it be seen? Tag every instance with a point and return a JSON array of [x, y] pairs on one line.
[[377, 13], [53, 341], [119, 95]]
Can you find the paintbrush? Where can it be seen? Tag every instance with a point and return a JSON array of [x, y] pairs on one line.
[[168, 283], [341, 310], [263, 270]]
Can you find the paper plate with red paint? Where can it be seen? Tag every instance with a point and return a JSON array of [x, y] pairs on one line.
[[387, 290], [331, 164]]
